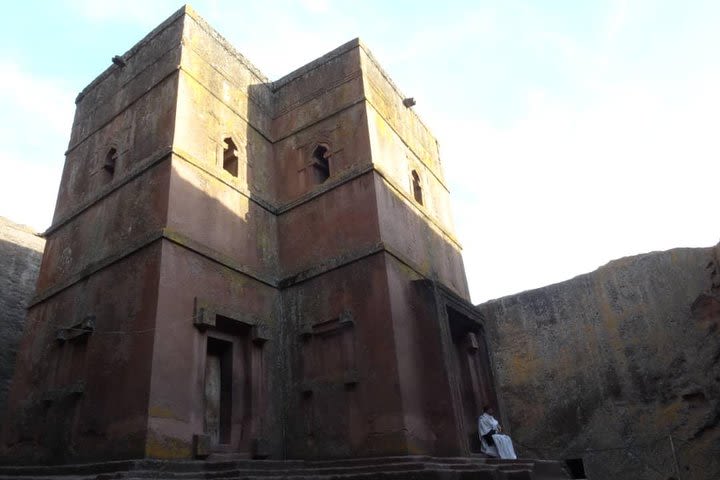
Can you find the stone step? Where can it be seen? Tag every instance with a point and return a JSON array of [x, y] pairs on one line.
[[440, 474], [515, 474], [183, 469], [306, 472], [295, 474], [200, 466], [405, 468]]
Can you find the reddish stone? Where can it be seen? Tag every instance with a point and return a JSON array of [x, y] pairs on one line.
[[250, 295]]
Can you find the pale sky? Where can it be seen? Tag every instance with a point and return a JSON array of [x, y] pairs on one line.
[[571, 132]]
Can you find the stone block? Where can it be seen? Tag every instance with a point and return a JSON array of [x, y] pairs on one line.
[[201, 445]]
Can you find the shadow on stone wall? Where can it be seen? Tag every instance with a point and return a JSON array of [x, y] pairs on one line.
[[19, 265]]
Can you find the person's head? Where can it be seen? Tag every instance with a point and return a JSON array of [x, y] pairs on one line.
[[487, 409]]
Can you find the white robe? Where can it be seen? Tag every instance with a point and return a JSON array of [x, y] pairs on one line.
[[503, 447], [487, 422]]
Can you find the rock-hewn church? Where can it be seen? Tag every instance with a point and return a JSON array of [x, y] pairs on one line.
[[251, 267]]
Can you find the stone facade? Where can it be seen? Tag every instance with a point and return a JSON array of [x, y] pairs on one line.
[[245, 266], [609, 366], [20, 253]]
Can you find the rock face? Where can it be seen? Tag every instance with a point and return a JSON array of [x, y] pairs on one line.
[[610, 365], [20, 253]]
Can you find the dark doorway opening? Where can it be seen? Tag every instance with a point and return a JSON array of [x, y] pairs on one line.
[[575, 467], [218, 391]]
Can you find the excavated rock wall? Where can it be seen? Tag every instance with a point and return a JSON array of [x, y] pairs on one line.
[[612, 365], [20, 254]]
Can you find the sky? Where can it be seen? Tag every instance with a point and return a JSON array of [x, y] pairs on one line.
[[571, 132]]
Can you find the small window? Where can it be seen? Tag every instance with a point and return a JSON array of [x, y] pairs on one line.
[[110, 164], [230, 157], [417, 188], [321, 164]]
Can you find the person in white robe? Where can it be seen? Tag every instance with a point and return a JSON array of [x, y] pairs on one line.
[[492, 442]]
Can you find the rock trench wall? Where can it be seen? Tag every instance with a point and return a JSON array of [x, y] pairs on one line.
[[610, 365], [20, 254]]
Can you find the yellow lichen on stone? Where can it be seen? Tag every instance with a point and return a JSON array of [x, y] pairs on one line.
[[167, 447], [523, 368], [162, 412]]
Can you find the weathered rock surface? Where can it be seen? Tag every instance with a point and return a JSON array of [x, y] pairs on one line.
[[20, 254], [615, 362]]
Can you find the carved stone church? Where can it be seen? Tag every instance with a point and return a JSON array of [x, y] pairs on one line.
[[241, 266]]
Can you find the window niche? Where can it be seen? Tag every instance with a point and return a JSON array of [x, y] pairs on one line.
[[230, 157], [320, 167], [328, 352], [110, 164], [417, 187]]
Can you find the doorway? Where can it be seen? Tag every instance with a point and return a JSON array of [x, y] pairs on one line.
[[218, 391], [473, 372]]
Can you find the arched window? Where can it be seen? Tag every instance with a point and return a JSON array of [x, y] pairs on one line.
[[230, 157], [417, 188], [110, 163], [321, 164]]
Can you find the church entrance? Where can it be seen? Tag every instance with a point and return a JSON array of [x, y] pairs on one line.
[[233, 363], [473, 372], [218, 391]]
